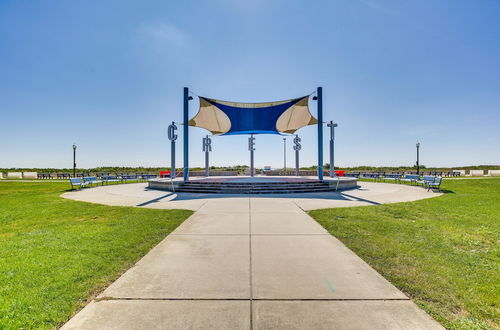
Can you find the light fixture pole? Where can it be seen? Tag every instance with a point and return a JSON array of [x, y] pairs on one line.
[[284, 155], [74, 160], [187, 98], [418, 147], [332, 126], [319, 98]]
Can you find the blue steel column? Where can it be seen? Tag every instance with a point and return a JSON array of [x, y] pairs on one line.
[[320, 133], [186, 135]]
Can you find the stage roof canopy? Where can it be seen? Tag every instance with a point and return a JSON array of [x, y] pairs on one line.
[[228, 118]]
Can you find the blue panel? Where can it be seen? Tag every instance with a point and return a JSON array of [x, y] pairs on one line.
[[254, 120]]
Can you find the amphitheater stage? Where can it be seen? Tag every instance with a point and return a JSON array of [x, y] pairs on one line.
[[253, 185]]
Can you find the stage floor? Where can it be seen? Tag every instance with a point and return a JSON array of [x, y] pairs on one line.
[[257, 179], [256, 184]]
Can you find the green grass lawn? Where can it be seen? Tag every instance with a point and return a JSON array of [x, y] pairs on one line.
[[56, 253], [443, 252]]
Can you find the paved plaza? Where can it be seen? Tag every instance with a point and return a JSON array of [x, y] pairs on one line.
[[251, 262]]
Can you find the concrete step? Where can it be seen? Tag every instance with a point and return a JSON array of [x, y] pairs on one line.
[[253, 191], [254, 187]]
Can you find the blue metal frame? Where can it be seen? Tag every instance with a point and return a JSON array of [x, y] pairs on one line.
[[320, 133], [186, 134]]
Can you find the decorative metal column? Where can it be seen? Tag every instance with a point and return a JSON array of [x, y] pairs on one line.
[[418, 157], [74, 160], [207, 147], [251, 148], [172, 137], [320, 132], [284, 155], [332, 126], [186, 134], [297, 146]]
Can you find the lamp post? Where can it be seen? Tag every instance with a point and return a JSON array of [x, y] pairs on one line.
[[74, 160], [284, 155], [319, 98], [418, 147]]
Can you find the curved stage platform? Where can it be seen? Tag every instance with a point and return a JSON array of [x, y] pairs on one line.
[[253, 185]]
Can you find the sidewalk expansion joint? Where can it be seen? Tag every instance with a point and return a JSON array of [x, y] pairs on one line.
[[248, 235], [249, 299]]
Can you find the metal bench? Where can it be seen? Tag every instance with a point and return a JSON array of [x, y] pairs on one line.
[[411, 178], [92, 180], [148, 176], [77, 182], [374, 176], [129, 178], [436, 184], [392, 177], [426, 180], [109, 178]]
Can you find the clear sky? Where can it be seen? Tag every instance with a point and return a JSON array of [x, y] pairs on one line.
[[108, 76]]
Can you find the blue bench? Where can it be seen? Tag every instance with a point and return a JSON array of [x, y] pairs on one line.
[[374, 176], [77, 182], [109, 178], [91, 179], [410, 178], [426, 180], [392, 177], [147, 176], [435, 184], [129, 178]]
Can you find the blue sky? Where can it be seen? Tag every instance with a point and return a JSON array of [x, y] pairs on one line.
[[108, 76]]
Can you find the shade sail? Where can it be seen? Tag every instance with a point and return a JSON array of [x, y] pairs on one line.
[[227, 118]]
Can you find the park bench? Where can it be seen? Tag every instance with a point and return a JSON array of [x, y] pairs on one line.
[[129, 178], [426, 180], [92, 179], [77, 182], [109, 178], [436, 184], [392, 177], [374, 176], [147, 176], [410, 178]]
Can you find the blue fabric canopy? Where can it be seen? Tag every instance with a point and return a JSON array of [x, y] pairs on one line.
[[253, 120], [230, 118]]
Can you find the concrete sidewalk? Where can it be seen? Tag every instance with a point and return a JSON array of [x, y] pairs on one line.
[[138, 194], [251, 263]]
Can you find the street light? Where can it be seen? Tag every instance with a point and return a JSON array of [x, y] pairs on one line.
[[284, 154], [418, 147], [74, 160]]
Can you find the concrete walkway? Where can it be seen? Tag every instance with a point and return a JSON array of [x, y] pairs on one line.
[[368, 193], [250, 263]]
